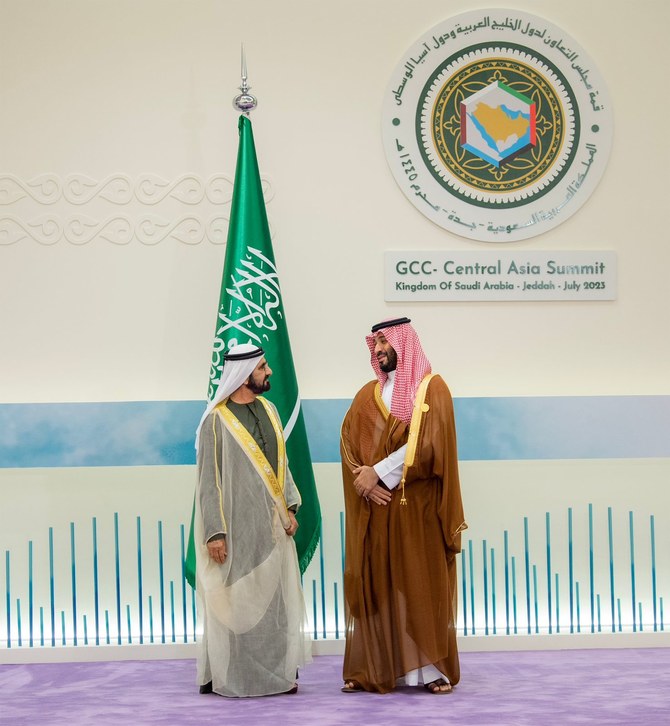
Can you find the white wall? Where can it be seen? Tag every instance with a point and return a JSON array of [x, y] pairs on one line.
[[120, 91], [144, 87]]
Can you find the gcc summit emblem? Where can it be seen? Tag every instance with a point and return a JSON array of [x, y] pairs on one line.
[[497, 125]]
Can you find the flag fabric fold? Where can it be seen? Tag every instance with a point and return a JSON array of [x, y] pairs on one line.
[[251, 311]]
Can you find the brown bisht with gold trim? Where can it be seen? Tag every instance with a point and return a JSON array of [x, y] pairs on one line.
[[400, 559]]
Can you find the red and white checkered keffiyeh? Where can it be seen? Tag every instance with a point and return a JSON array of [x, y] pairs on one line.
[[412, 367]]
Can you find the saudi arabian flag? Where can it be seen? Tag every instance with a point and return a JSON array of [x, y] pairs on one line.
[[251, 311]]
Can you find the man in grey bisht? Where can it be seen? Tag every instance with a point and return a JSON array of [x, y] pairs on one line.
[[247, 578]]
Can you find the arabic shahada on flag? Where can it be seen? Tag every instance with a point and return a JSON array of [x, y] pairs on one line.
[[251, 311]]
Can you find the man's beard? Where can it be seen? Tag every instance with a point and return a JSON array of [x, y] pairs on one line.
[[258, 388], [391, 361]]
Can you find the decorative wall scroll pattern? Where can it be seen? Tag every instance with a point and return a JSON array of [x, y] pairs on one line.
[[78, 209]]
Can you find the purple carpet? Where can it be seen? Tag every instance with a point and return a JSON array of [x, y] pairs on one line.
[[502, 689]]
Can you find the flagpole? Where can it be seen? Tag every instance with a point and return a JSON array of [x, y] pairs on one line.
[[244, 102], [251, 310]]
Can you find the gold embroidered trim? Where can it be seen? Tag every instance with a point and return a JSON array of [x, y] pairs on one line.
[[385, 413], [353, 463], [420, 407], [380, 401], [274, 483]]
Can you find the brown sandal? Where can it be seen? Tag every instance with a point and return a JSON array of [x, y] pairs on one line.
[[435, 687]]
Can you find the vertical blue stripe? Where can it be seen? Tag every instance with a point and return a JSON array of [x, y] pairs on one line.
[[172, 610], [610, 532], [161, 578], [96, 590], [547, 525], [579, 624], [506, 555], [316, 634], [464, 591], [118, 578], [653, 567], [472, 587], [632, 568], [183, 578], [536, 609], [62, 627], [107, 639], [618, 604], [514, 593], [557, 600], [591, 586], [74, 584], [30, 592], [9, 600], [640, 620], [660, 603], [85, 631], [527, 561], [52, 587], [493, 588], [486, 587], [151, 620], [130, 632], [571, 572], [140, 595], [41, 626]]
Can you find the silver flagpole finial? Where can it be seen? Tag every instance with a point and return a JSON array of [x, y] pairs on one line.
[[245, 102]]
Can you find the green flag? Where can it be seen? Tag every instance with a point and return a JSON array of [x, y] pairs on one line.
[[251, 311]]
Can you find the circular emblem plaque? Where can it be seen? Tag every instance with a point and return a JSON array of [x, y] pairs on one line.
[[497, 125]]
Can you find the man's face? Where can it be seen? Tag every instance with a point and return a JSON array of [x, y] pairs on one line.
[[259, 380], [386, 355]]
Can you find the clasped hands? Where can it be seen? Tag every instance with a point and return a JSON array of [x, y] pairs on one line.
[[367, 485]]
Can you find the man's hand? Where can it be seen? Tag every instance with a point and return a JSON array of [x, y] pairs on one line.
[[293, 526], [379, 495], [367, 485], [218, 550]]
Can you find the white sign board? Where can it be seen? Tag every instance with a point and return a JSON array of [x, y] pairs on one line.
[[440, 275]]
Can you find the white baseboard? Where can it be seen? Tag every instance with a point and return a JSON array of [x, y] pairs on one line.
[[466, 644]]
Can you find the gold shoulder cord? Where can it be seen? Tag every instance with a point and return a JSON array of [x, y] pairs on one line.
[[420, 407]]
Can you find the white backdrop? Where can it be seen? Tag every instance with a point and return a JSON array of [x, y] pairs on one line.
[[144, 88]]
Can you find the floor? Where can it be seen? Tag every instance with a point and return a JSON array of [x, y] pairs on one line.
[[628, 686]]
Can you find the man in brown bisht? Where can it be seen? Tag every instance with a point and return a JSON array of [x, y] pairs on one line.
[[404, 519]]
